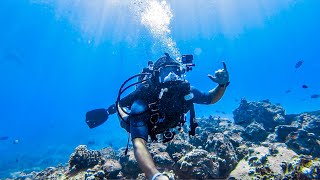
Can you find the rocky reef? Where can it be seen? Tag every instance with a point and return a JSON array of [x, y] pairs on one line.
[[262, 143]]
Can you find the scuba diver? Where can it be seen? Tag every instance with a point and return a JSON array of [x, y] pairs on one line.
[[159, 107]]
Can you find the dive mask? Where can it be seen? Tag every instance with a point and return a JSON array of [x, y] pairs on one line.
[[170, 73]]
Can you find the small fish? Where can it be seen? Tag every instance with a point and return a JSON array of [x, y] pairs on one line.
[[217, 111], [14, 57], [2, 138], [223, 112], [299, 64], [314, 96], [305, 86], [287, 91]]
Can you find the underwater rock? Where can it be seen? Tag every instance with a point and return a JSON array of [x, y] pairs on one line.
[[246, 150], [200, 138], [303, 142], [89, 175], [109, 153], [273, 150], [310, 123], [111, 168], [181, 146], [220, 145], [100, 174], [255, 132], [130, 165], [163, 161], [207, 123], [242, 151], [83, 158], [272, 138], [217, 125], [265, 144], [156, 148], [23, 176], [197, 164], [261, 165], [235, 138], [265, 113], [52, 173], [222, 125], [302, 167], [282, 131], [233, 132]]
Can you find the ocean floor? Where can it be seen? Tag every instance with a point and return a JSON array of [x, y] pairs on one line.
[[262, 143]]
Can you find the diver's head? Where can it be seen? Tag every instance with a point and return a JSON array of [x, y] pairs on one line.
[[169, 69]]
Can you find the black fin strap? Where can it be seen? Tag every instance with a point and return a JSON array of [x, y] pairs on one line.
[[127, 148], [193, 124]]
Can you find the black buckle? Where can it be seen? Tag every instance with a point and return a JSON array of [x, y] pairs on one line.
[[168, 136], [154, 118], [153, 107]]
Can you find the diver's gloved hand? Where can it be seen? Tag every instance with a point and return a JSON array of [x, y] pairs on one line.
[[221, 76]]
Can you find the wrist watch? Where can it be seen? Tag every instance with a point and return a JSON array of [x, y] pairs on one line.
[[224, 85]]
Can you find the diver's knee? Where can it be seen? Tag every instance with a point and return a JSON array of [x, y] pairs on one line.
[[138, 141]]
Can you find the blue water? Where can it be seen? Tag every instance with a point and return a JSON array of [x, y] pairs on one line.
[[59, 59]]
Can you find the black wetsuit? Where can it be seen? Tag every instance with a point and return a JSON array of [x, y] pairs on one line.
[[138, 102]]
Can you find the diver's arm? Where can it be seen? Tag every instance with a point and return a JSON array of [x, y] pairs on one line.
[[222, 78], [95, 118], [211, 97], [126, 101], [217, 93], [214, 95], [144, 157]]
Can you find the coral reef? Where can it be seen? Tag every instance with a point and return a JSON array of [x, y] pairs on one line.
[[255, 132], [263, 112], [197, 164], [83, 158], [302, 167], [304, 143], [262, 143]]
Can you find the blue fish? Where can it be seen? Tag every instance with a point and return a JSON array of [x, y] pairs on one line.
[[2, 138], [299, 64], [314, 96], [13, 57], [287, 91]]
